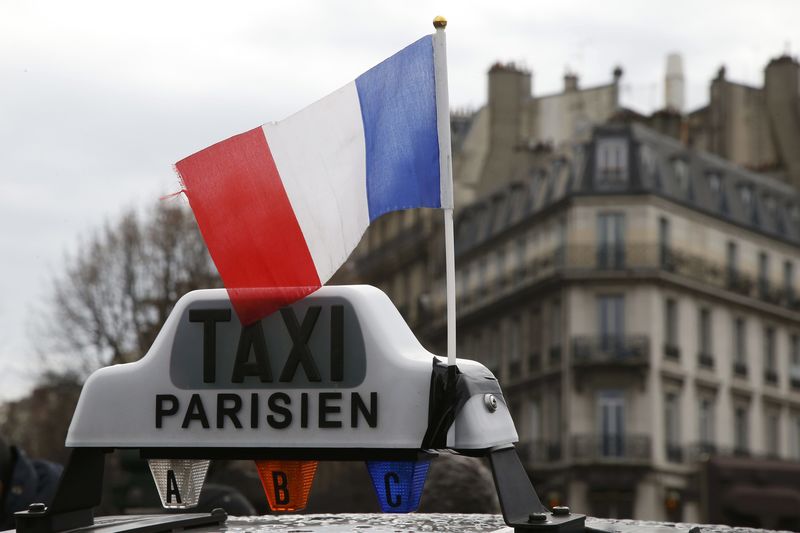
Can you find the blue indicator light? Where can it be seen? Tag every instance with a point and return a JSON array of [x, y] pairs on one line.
[[398, 484]]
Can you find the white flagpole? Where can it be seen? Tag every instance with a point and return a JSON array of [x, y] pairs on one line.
[[446, 178]]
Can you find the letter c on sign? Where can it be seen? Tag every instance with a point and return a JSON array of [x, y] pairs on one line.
[[388, 479]]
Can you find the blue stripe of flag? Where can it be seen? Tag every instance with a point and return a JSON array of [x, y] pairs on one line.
[[398, 107]]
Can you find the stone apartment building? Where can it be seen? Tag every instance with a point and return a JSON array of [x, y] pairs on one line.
[[636, 294]]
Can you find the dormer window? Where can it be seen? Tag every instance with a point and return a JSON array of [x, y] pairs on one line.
[[648, 160], [612, 162], [746, 195], [794, 213], [715, 183], [681, 170], [716, 191]]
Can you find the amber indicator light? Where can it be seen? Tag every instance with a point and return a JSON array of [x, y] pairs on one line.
[[287, 484]]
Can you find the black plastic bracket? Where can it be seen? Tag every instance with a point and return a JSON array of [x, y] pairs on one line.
[[522, 508], [79, 492]]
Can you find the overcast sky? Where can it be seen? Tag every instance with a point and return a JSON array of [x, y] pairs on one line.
[[99, 99]]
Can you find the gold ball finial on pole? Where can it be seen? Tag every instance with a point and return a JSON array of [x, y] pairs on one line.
[[439, 22]]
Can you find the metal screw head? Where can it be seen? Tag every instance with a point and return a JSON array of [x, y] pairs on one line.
[[537, 517], [560, 510], [37, 508], [491, 402]]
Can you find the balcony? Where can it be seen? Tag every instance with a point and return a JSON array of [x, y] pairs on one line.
[[611, 257], [623, 350], [539, 451], [579, 260], [739, 283], [623, 359], [611, 448]]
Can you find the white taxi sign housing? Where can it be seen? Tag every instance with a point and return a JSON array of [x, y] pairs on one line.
[[338, 369]]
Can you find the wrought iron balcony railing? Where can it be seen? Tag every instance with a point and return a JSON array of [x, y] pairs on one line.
[[539, 451], [623, 349], [611, 447], [539, 265]]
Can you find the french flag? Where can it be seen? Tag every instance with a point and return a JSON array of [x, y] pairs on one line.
[[282, 206]]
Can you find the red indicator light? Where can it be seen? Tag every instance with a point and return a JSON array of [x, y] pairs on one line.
[[287, 483]]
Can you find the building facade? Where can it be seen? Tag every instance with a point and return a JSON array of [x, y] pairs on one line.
[[637, 297]]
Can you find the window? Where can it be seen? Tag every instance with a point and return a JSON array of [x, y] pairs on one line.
[[763, 274], [493, 350], [740, 431], [561, 241], [648, 160], [717, 192], [796, 437], [773, 435], [555, 331], [704, 332], [535, 342], [482, 275], [770, 364], [500, 267], [788, 281], [611, 318], [739, 346], [515, 348], [611, 240], [733, 261], [714, 183], [611, 422], [535, 418], [671, 328], [521, 249], [794, 361], [612, 163], [555, 426], [746, 195], [663, 243], [681, 170], [672, 418], [706, 421], [794, 213]]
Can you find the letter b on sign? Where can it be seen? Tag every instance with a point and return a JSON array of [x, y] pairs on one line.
[[287, 484]]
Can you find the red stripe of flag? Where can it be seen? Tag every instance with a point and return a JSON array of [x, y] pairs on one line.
[[249, 225]]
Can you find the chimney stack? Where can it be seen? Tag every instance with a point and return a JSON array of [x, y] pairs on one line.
[[673, 84]]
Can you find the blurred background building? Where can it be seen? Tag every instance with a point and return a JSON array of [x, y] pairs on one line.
[[632, 280]]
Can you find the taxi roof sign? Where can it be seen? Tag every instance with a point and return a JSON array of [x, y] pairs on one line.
[[339, 369], [337, 375]]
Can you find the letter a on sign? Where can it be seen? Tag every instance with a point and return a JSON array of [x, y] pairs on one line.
[[178, 481], [287, 484]]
